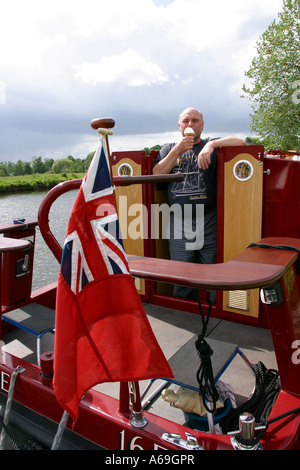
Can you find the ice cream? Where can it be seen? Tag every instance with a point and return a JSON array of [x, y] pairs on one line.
[[189, 131]]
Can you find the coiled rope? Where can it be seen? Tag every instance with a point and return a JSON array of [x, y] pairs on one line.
[[267, 388], [205, 376], [259, 405]]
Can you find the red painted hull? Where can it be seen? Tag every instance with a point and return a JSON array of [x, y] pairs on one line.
[[105, 421], [101, 422]]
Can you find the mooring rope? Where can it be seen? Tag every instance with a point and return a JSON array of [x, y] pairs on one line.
[[60, 430], [265, 425], [267, 388], [205, 376], [9, 401]]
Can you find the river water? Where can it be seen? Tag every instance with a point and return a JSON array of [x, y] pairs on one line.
[[26, 205]]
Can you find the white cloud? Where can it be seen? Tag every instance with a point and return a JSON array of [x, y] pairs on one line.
[[2, 92], [129, 68], [141, 61]]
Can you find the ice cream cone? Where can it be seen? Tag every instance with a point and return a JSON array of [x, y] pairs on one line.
[[189, 131]]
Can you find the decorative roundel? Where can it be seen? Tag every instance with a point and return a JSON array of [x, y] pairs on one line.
[[243, 170], [125, 170]]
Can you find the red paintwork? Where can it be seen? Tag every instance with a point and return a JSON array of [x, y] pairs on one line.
[[281, 207], [283, 434], [15, 289], [98, 411], [105, 420], [43, 215]]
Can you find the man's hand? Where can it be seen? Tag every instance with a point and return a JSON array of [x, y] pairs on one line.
[[186, 144], [166, 164], [204, 157]]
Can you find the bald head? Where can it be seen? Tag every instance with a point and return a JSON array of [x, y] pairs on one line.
[[190, 110], [193, 118]]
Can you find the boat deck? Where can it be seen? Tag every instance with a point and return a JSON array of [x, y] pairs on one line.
[[173, 329]]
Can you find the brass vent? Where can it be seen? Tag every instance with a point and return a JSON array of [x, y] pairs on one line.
[[238, 299]]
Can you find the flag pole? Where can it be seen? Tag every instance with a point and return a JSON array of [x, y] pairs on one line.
[[137, 420], [103, 127]]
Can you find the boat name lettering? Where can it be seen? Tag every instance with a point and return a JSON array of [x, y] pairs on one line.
[[134, 443], [4, 381]]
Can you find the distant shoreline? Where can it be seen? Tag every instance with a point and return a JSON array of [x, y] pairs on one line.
[[36, 182]]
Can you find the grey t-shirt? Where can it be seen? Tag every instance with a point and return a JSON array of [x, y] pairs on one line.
[[199, 186]]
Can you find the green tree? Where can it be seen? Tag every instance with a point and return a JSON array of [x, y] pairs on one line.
[[78, 165], [3, 169], [19, 168], [274, 92], [27, 168], [64, 165], [87, 161], [48, 162], [10, 167], [22, 168], [147, 150], [37, 165]]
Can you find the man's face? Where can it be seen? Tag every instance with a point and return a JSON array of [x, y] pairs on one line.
[[191, 118]]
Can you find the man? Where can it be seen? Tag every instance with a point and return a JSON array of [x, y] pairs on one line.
[[196, 195]]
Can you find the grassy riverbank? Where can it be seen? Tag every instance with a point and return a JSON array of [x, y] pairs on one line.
[[36, 182]]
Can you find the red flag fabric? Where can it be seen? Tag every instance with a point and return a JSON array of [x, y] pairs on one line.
[[102, 333]]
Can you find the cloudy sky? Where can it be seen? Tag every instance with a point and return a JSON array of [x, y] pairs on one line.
[[63, 63]]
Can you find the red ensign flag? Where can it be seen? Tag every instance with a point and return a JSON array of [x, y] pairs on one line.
[[102, 333]]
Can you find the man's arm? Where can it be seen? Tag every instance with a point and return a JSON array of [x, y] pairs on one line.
[[165, 165], [204, 156]]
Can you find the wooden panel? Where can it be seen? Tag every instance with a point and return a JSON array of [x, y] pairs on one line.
[[161, 243], [243, 185], [242, 207], [132, 219]]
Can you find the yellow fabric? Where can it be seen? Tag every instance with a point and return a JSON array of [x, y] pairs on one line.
[[187, 400]]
